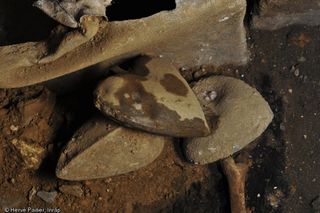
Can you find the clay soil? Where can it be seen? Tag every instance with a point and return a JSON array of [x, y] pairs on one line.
[[285, 174]]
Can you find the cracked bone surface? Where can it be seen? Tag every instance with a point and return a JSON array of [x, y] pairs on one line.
[[154, 97], [197, 32], [237, 112]]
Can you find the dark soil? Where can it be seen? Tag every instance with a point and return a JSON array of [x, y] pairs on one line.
[[284, 177]]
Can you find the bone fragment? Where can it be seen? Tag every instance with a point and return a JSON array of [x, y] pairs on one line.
[[68, 12], [18, 60], [236, 173], [197, 32]]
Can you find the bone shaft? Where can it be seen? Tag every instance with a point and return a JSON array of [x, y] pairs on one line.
[[237, 195], [176, 35], [236, 175]]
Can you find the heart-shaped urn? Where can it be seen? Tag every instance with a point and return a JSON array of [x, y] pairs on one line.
[[154, 98], [101, 149], [238, 114]]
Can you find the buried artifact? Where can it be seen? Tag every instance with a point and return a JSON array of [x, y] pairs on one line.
[[197, 32], [101, 148], [238, 114], [157, 100]]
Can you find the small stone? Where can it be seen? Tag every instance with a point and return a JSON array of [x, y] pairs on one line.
[[74, 190], [238, 115], [32, 154], [48, 197], [296, 72], [156, 99], [32, 193], [12, 180], [102, 149], [14, 128], [210, 96]]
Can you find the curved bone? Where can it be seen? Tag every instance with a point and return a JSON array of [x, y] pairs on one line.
[[27, 63], [39, 52], [190, 36]]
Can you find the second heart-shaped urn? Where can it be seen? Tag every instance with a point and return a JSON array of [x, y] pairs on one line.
[[154, 98]]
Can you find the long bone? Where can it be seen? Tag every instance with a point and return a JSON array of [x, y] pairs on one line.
[[236, 173], [197, 32]]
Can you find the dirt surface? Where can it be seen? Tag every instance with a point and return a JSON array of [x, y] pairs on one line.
[[284, 177]]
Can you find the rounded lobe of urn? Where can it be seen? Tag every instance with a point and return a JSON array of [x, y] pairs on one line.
[[239, 115], [157, 100]]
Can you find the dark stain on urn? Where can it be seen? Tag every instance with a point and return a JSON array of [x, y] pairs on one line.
[[150, 115], [174, 85], [133, 94]]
